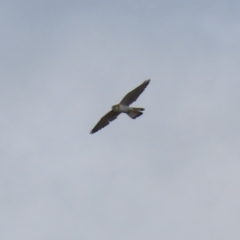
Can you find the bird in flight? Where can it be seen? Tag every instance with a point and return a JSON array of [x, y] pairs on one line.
[[123, 107]]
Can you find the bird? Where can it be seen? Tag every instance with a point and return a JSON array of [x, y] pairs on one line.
[[123, 107]]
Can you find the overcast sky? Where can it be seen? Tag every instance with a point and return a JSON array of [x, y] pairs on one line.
[[172, 173]]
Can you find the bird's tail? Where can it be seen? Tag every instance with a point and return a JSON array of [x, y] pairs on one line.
[[138, 109], [135, 112]]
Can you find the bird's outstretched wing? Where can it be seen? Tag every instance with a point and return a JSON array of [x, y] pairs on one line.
[[105, 120], [135, 93]]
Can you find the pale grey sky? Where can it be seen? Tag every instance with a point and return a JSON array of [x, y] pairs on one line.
[[171, 174]]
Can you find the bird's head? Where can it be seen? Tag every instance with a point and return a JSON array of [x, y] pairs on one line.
[[115, 108]]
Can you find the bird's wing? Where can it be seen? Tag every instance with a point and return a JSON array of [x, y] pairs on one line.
[[135, 93], [105, 120]]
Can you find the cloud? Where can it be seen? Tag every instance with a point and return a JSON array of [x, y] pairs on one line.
[[171, 173]]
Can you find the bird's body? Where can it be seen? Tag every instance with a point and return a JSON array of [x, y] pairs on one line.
[[123, 107]]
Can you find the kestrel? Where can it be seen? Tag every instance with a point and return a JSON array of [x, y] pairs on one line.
[[123, 107]]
